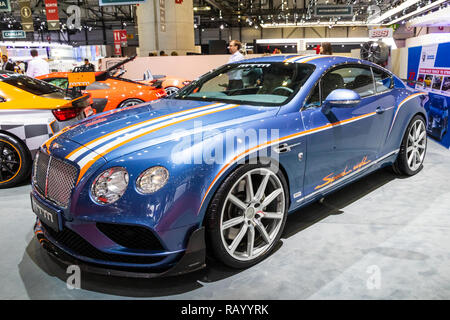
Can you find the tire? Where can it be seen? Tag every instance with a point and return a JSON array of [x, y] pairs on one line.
[[15, 161], [129, 103], [171, 90], [230, 242], [413, 148]]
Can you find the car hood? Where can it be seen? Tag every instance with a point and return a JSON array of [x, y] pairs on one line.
[[122, 131]]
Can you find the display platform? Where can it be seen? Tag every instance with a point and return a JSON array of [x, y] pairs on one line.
[[379, 238]]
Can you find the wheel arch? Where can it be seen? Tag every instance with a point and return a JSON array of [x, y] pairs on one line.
[[132, 98], [18, 139], [215, 186]]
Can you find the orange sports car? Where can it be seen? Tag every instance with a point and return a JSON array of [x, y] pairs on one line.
[[170, 83], [109, 91]]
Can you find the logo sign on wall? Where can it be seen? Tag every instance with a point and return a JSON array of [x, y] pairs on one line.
[[13, 34], [333, 11], [5, 6], [26, 15], [51, 10], [380, 33], [118, 2]]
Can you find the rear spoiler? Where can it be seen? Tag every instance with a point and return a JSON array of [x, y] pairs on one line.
[[103, 75], [121, 63]]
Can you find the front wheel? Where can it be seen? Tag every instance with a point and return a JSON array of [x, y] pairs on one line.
[[15, 161], [413, 148], [247, 215]]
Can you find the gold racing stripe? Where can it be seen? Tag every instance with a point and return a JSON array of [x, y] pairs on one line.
[[98, 156], [134, 125]]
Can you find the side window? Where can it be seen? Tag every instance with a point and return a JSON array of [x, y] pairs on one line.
[[59, 82], [383, 80], [354, 78], [314, 98]]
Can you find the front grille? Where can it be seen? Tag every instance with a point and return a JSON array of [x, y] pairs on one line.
[[71, 240], [133, 237], [54, 179]]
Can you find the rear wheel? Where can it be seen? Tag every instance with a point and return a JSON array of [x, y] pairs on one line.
[[15, 161], [413, 148], [247, 215], [171, 90], [129, 103]]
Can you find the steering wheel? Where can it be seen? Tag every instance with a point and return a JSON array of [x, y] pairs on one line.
[[289, 90]]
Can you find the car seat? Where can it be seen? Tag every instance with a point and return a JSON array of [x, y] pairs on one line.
[[330, 82], [363, 84]]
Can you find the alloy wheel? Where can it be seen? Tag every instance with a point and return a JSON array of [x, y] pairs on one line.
[[252, 214], [171, 90], [129, 103], [9, 161], [416, 145]]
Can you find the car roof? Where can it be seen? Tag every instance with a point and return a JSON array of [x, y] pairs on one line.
[[323, 61]]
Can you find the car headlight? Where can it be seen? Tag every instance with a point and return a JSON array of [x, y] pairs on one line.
[[110, 185], [152, 179]]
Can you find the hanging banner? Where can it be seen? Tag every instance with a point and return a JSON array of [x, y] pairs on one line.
[[5, 6], [120, 40], [120, 36], [26, 15], [118, 2], [51, 10], [162, 15], [429, 67]]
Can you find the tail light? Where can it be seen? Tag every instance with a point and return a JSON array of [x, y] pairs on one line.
[[66, 113]]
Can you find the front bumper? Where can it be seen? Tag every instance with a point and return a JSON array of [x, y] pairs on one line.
[[193, 258]]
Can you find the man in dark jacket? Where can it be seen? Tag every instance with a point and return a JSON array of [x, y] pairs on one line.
[[88, 67], [8, 65]]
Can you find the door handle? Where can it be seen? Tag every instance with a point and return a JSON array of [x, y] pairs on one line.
[[380, 110], [284, 147]]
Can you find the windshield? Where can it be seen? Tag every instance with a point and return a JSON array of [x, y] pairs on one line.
[[270, 84], [31, 85]]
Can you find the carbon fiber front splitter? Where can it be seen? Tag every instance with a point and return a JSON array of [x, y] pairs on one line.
[[192, 260]]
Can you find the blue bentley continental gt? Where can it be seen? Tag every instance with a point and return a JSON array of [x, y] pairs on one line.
[[151, 189]]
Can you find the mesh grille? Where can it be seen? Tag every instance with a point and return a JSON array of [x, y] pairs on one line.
[[54, 178], [133, 237], [61, 180], [40, 171], [71, 240]]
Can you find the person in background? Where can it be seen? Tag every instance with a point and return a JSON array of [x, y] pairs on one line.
[[88, 67], [235, 76], [37, 66], [7, 65], [20, 67], [325, 48], [174, 53], [162, 53]]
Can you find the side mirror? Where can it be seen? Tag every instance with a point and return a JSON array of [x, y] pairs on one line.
[[341, 98]]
